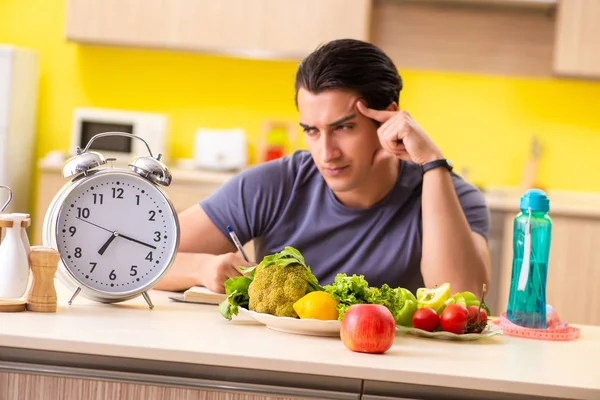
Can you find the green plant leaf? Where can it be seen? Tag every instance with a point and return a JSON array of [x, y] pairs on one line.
[[237, 283]]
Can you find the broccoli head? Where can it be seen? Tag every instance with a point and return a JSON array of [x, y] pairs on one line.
[[279, 281]]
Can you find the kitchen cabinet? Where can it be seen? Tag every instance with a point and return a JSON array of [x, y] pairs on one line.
[[577, 46], [261, 28], [476, 36], [69, 388], [495, 244]]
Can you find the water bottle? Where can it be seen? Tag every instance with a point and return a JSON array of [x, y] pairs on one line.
[[531, 250]]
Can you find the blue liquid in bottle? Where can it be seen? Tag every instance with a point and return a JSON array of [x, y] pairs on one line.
[[531, 249]]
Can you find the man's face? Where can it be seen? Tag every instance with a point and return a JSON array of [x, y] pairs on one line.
[[341, 140]]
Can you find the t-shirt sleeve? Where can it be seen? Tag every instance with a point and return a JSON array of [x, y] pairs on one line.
[[474, 206], [250, 201]]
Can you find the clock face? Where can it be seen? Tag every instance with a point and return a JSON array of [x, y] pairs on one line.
[[116, 232]]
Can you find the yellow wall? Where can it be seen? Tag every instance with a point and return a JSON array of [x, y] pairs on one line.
[[483, 123]]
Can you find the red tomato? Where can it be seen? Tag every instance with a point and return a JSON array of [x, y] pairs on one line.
[[454, 319], [475, 325], [426, 319]]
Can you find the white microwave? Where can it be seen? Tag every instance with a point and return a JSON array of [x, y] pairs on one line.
[[88, 122]]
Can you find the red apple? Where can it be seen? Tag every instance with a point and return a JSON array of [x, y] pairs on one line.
[[368, 328]]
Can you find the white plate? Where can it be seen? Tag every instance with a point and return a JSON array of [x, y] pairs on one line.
[[489, 331], [313, 327]]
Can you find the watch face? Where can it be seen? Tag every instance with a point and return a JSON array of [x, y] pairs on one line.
[[116, 232]]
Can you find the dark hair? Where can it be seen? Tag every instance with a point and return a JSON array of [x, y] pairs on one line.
[[352, 65]]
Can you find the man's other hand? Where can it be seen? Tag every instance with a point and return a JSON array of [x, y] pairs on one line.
[[220, 268]]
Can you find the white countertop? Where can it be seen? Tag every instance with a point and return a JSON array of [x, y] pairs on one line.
[[192, 333]]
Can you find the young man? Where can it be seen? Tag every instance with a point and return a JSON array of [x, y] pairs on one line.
[[373, 195]]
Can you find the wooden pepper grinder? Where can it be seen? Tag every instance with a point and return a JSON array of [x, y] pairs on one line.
[[43, 262]]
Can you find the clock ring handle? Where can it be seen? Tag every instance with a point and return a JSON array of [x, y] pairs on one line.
[[129, 135], [10, 196]]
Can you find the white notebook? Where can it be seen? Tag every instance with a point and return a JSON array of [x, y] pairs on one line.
[[200, 294]]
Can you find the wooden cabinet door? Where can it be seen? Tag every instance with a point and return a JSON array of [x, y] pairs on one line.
[[143, 23], [577, 51], [298, 27], [270, 28]]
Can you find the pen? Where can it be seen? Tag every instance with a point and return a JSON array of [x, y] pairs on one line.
[[237, 243]]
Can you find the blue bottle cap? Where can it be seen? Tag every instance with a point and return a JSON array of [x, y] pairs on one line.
[[535, 199]]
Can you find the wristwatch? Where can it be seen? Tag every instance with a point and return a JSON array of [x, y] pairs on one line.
[[436, 164]]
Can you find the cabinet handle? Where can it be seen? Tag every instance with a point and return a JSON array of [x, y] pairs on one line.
[[375, 397], [194, 383]]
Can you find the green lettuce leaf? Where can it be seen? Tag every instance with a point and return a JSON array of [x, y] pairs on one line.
[[388, 297], [348, 290], [236, 289], [230, 306], [238, 283]]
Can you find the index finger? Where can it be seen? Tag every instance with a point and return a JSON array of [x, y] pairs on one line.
[[378, 115], [241, 262]]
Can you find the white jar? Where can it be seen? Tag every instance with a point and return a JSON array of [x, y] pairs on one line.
[[14, 258]]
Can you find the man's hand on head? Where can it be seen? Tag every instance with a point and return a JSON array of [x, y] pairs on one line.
[[401, 136]]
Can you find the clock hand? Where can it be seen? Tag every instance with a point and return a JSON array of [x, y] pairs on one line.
[[137, 241], [98, 226], [115, 234], [108, 242]]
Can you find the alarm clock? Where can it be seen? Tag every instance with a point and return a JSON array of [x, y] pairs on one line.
[[115, 229]]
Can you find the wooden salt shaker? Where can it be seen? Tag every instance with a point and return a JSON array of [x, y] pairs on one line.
[[43, 262]]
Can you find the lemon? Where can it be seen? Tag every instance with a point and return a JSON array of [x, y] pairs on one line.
[[317, 305]]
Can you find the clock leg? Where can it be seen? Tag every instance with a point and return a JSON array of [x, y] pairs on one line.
[[75, 293], [147, 298]]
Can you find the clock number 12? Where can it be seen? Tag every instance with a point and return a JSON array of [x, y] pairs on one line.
[[117, 193]]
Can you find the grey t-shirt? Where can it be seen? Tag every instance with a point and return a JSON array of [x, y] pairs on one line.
[[286, 202]]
